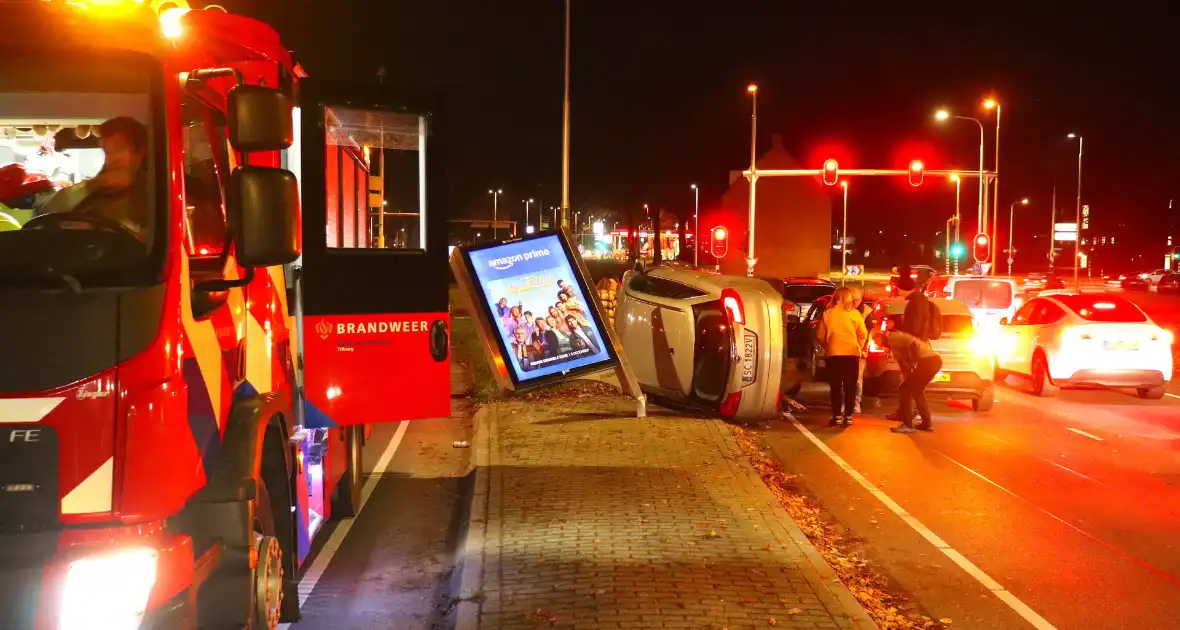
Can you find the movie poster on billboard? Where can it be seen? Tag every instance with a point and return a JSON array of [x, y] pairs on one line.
[[539, 310]]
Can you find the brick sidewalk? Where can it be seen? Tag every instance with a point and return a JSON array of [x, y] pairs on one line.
[[585, 517]]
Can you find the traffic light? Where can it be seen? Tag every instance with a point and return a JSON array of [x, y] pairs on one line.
[[957, 251], [916, 172], [719, 242], [982, 248], [831, 173]]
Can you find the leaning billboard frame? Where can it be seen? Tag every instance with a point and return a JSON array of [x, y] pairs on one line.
[[531, 266]]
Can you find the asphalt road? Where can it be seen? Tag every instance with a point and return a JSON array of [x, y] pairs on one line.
[[391, 567], [1071, 504]]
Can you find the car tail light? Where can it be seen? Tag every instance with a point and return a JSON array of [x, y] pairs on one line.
[[875, 348], [729, 407], [731, 302], [1164, 335]]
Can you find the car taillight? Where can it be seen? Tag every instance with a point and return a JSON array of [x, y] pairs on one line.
[[729, 407], [1164, 335], [875, 348], [731, 302]]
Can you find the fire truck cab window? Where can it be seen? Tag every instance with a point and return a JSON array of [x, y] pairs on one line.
[[376, 179], [205, 163]]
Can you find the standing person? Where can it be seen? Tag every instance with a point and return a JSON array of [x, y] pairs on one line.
[[842, 332], [918, 307], [919, 364], [858, 303]]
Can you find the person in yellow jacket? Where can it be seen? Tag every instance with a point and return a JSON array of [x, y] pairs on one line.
[[843, 334]]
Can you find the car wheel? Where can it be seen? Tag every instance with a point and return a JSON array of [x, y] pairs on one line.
[[998, 375], [1151, 393], [1042, 385], [986, 400]]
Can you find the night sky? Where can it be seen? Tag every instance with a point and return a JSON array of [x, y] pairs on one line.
[[659, 98]]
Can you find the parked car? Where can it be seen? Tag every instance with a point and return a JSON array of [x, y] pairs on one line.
[[704, 341], [967, 369], [799, 293], [1085, 340], [920, 273], [1036, 282], [989, 298]]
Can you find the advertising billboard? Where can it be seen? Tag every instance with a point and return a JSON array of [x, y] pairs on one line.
[[539, 311]]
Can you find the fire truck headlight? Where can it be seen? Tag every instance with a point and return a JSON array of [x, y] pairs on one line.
[[109, 590]]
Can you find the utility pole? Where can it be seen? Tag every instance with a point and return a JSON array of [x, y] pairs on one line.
[[1052, 228], [565, 129]]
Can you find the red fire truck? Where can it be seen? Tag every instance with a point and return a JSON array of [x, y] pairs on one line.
[[194, 326]]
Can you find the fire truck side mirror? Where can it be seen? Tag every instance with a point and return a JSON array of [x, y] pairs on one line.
[[264, 216], [259, 119]]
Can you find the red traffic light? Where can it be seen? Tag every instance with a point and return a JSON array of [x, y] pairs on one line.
[[831, 173], [916, 172], [719, 242], [982, 248]]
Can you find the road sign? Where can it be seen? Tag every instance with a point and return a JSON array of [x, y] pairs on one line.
[[854, 270]]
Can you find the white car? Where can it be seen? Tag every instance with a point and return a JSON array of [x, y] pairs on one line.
[[990, 299], [1085, 340], [704, 341]]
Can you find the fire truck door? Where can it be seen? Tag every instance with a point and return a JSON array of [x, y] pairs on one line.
[[371, 294]]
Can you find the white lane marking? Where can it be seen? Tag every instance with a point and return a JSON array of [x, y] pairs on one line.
[[332, 545], [1081, 432], [1069, 470], [1019, 607], [1171, 395]]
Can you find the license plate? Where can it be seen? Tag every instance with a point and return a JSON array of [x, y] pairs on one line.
[[942, 377], [1121, 345], [749, 357]]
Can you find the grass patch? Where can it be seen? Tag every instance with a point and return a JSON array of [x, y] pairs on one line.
[[466, 348]]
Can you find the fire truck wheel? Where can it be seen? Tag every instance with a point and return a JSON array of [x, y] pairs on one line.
[[346, 498], [268, 582], [274, 498]]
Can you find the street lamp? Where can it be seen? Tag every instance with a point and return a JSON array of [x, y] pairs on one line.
[[954, 219], [752, 89], [696, 226], [1078, 242], [992, 103], [944, 115], [527, 202], [1011, 208], [844, 237], [958, 216], [495, 211]]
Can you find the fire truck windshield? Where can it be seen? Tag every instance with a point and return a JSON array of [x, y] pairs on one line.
[[80, 175]]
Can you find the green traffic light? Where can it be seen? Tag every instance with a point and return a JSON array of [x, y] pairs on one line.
[[957, 250]]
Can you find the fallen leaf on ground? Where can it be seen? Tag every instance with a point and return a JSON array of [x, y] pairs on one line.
[[772, 622], [541, 613], [794, 611], [945, 620]]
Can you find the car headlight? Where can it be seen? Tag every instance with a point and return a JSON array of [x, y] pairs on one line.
[[108, 591]]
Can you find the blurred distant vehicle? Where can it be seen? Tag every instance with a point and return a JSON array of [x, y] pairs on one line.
[[967, 365], [1154, 277], [920, 273], [1170, 283], [1084, 340], [1037, 282], [702, 340], [1133, 282], [990, 299]]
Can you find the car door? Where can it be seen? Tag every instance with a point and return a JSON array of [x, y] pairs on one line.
[[371, 289], [814, 349], [1014, 352]]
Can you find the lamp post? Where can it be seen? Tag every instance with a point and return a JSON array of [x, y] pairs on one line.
[[495, 212], [954, 219], [527, 202], [992, 103], [565, 129], [944, 115], [844, 237], [752, 89], [1078, 242], [696, 226], [958, 217], [1011, 208]]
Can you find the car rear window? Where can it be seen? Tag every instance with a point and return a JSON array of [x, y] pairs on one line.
[[1103, 308], [983, 293], [808, 293]]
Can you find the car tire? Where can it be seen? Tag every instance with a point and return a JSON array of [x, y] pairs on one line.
[[1151, 393], [986, 400], [1043, 385]]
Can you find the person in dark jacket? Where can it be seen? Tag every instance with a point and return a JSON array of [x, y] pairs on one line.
[[917, 308]]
